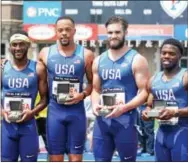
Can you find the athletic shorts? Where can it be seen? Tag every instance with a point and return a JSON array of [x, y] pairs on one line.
[[66, 129], [171, 144], [111, 134], [19, 140]]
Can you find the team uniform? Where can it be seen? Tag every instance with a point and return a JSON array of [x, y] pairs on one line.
[[66, 124], [19, 138], [171, 141], [120, 133]]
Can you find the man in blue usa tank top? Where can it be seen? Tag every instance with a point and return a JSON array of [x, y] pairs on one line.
[[21, 80], [118, 74], [169, 90], [66, 63]]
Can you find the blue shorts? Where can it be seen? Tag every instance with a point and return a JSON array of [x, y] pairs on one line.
[[19, 140], [171, 144], [111, 134], [66, 129]]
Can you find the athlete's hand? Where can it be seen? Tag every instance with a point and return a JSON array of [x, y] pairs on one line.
[[27, 114], [5, 115], [145, 115], [3, 61], [166, 114], [96, 109], [77, 97], [117, 110]]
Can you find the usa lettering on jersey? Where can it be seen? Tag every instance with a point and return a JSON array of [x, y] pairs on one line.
[[111, 74], [64, 69], [165, 94], [18, 83]]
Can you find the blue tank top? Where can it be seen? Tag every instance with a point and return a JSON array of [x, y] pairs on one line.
[[20, 84], [117, 77], [62, 68], [172, 90]]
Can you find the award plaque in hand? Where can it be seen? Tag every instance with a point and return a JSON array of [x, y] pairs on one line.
[[157, 106], [108, 100], [15, 110], [62, 92], [171, 105]]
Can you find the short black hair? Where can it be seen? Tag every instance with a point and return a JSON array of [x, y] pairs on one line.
[[65, 18], [117, 19], [18, 32], [174, 42]]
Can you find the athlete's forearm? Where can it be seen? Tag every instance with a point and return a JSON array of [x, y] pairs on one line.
[[40, 106], [95, 97], [136, 101], [183, 112], [88, 90]]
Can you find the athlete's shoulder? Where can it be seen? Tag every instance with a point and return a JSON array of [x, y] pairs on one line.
[[140, 63], [104, 53], [185, 78], [43, 55], [88, 52]]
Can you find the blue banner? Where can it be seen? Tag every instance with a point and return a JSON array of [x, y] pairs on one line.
[[41, 12], [181, 32]]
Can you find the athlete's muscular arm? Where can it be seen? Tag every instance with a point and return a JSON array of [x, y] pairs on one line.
[[43, 92], [141, 75], [88, 57], [42, 87], [43, 55], [185, 80], [149, 102], [183, 112], [4, 113], [95, 95]]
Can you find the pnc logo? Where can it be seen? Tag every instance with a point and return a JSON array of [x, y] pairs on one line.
[[47, 12]]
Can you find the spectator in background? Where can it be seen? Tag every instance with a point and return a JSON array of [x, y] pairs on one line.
[[90, 123], [146, 133], [41, 123]]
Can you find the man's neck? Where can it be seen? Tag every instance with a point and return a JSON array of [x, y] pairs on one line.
[[115, 54], [170, 73], [20, 64], [67, 50]]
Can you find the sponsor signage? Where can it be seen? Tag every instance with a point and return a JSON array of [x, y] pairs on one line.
[[41, 12], [174, 8], [40, 32], [143, 32], [181, 32], [86, 32], [44, 32]]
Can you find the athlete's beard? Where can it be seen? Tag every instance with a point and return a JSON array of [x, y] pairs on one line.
[[171, 68], [118, 46], [22, 58], [64, 44]]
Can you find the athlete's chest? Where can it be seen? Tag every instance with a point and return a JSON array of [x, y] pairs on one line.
[[167, 91], [65, 65], [114, 70], [12, 79]]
